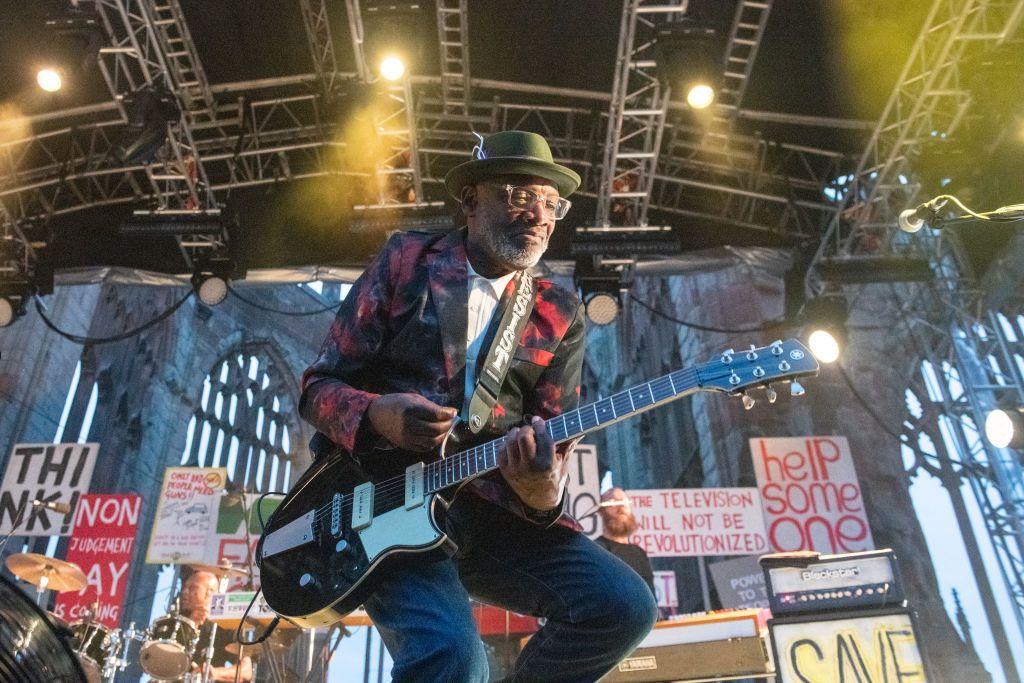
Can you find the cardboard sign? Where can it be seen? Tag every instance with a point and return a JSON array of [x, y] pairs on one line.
[[695, 522], [584, 488], [53, 473], [101, 545], [880, 648], [230, 540], [185, 517], [740, 583], [812, 499], [665, 589]]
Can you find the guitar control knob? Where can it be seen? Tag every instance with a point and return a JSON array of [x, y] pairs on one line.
[[306, 580], [340, 546]]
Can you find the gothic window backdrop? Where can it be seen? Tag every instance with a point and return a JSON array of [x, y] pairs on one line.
[[244, 420]]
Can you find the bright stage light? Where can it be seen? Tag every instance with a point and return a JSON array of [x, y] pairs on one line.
[[392, 68], [212, 289], [1005, 428], [602, 308], [824, 346], [49, 80], [6, 312], [700, 96]]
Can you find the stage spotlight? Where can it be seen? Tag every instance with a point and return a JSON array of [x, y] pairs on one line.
[[392, 68], [700, 96], [1004, 428], [211, 289], [149, 110], [825, 318], [6, 312], [12, 303], [49, 79], [602, 308]]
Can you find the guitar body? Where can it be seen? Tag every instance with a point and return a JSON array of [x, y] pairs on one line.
[[321, 580]]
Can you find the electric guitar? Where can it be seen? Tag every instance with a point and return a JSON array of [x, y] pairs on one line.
[[344, 525]]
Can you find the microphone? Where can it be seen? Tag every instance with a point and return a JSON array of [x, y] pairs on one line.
[[912, 220], [62, 508]]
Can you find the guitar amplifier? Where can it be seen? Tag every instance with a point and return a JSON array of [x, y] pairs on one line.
[[808, 582], [696, 648]]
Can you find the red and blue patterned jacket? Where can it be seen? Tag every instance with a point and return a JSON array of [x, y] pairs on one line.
[[402, 328]]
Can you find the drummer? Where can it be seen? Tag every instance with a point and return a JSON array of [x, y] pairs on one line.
[[196, 601]]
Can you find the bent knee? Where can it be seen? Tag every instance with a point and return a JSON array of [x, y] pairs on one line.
[[464, 658], [634, 609]]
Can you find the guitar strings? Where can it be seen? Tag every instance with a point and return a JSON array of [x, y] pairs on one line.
[[387, 491]]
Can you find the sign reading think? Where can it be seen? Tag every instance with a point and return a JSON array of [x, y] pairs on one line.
[[185, 516], [584, 488], [812, 500], [101, 544], [52, 473], [878, 648], [693, 522], [740, 583]]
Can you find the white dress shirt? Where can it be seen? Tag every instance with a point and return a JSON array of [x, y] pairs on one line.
[[484, 295]]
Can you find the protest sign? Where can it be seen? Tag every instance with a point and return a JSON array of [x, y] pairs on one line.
[[695, 522], [665, 589], [812, 500], [185, 517], [101, 544], [51, 473], [740, 583], [584, 488]]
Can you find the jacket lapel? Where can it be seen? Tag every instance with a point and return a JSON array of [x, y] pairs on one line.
[[449, 292]]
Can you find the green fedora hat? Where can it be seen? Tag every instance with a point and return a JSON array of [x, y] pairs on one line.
[[511, 152]]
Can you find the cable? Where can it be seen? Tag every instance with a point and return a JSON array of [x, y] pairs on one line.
[[268, 309], [78, 339], [708, 328]]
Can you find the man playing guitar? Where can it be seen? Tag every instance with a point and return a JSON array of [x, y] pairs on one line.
[[400, 363]]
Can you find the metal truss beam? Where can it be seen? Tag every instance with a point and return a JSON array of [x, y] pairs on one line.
[[637, 117], [453, 39], [321, 44], [740, 51], [150, 45], [928, 100], [358, 36]]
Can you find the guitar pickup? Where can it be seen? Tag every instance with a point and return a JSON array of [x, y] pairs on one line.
[[297, 532], [362, 506], [414, 486]]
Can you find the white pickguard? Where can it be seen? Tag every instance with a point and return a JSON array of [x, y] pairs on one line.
[[398, 527]]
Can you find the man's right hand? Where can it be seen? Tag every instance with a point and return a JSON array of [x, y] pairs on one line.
[[410, 421]]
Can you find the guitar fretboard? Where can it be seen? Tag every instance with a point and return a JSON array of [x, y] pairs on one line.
[[467, 464]]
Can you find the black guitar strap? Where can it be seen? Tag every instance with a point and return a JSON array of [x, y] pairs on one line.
[[491, 373]]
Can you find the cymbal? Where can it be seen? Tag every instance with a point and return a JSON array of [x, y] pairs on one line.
[[220, 570], [47, 572], [276, 647]]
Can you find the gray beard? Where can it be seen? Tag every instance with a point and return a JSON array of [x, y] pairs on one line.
[[520, 259]]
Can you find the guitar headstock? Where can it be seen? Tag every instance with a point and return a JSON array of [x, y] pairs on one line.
[[734, 372]]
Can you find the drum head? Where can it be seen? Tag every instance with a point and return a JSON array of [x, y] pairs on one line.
[[164, 660], [31, 651]]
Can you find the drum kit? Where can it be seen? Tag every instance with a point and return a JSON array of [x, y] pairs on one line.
[[167, 648]]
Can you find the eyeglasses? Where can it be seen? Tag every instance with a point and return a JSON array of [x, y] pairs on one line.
[[521, 198]]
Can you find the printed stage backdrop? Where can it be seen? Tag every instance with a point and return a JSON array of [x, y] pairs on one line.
[[694, 522], [101, 544], [52, 473], [812, 499]]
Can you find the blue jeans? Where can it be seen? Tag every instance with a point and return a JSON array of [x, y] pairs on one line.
[[597, 608]]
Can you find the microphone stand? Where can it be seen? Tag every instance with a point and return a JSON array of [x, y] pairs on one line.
[[14, 527]]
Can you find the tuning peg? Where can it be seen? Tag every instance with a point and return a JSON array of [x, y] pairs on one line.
[[776, 347], [748, 401], [796, 389], [752, 353], [771, 393]]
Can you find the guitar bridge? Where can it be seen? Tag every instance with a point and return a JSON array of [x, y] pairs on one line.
[[336, 515]]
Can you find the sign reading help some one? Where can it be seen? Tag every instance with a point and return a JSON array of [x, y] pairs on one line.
[[101, 544], [695, 522], [52, 473], [812, 499]]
